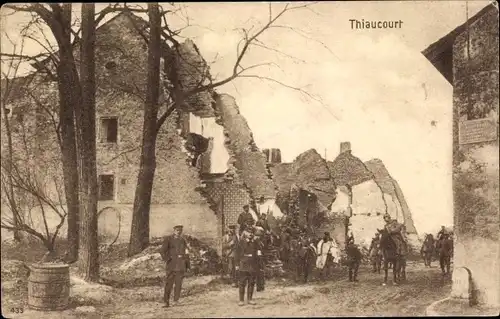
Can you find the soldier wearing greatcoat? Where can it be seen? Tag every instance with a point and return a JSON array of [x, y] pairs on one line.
[[174, 251], [247, 259]]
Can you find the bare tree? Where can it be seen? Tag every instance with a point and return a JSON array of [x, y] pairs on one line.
[[178, 93], [26, 187], [8, 188], [76, 118], [58, 19]]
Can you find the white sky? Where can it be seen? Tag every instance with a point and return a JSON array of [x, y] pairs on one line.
[[378, 90]]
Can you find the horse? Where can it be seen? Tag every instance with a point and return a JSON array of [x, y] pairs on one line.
[[391, 255], [444, 248], [428, 249]]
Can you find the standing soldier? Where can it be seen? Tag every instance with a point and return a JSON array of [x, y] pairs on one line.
[[230, 242], [174, 252], [245, 218], [373, 252], [259, 238], [354, 257], [247, 260]]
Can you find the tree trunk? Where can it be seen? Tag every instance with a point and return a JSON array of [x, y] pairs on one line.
[[139, 234], [89, 252], [69, 98]]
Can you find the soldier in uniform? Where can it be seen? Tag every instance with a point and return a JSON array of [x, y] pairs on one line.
[[259, 237], [229, 250], [398, 233], [245, 219], [354, 257], [441, 233], [373, 252], [174, 252], [247, 256]]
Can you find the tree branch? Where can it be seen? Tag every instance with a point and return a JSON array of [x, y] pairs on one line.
[[122, 153], [164, 116]]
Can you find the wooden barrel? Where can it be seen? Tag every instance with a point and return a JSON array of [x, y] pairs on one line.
[[48, 286]]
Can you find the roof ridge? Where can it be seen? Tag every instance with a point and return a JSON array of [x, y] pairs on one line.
[[129, 13], [457, 30]]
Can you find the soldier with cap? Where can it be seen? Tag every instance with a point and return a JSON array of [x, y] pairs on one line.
[[441, 233], [230, 242], [245, 219], [174, 251], [247, 260]]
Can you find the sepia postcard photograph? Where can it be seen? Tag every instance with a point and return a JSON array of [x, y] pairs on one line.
[[250, 159]]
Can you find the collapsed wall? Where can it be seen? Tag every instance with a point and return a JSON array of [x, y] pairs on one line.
[[366, 191], [248, 164]]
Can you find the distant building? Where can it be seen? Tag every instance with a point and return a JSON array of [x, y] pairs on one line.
[[468, 58]]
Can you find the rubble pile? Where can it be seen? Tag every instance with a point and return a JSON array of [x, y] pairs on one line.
[[148, 268], [203, 259]]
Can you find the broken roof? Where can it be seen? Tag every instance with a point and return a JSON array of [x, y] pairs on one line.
[[440, 52], [312, 174], [347, 169], [309, 172], [192, 68]]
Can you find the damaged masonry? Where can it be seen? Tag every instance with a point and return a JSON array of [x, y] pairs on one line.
[[208, 152]]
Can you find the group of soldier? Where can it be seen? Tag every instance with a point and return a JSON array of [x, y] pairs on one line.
[[243, 259], [243, 256]]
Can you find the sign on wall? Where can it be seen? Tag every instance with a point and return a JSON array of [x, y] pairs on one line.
[[477, 131]]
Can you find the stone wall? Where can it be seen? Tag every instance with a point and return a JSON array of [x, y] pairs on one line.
[[475, 166], [120, 72], [233, 197]]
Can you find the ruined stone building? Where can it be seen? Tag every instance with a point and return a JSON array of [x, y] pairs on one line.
[[208, 165], [306, 189], [467, 58], [347, 194]]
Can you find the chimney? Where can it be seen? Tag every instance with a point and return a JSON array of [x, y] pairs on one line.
[[345, 147], [273, 155]]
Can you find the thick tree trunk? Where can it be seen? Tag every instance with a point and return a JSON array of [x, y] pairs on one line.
[[139, 234], [69, 98], [89, 252]]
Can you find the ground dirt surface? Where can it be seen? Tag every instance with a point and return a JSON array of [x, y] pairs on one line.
[[207, 296]]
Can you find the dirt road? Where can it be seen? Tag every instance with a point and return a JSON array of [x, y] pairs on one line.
[[337, 297]]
